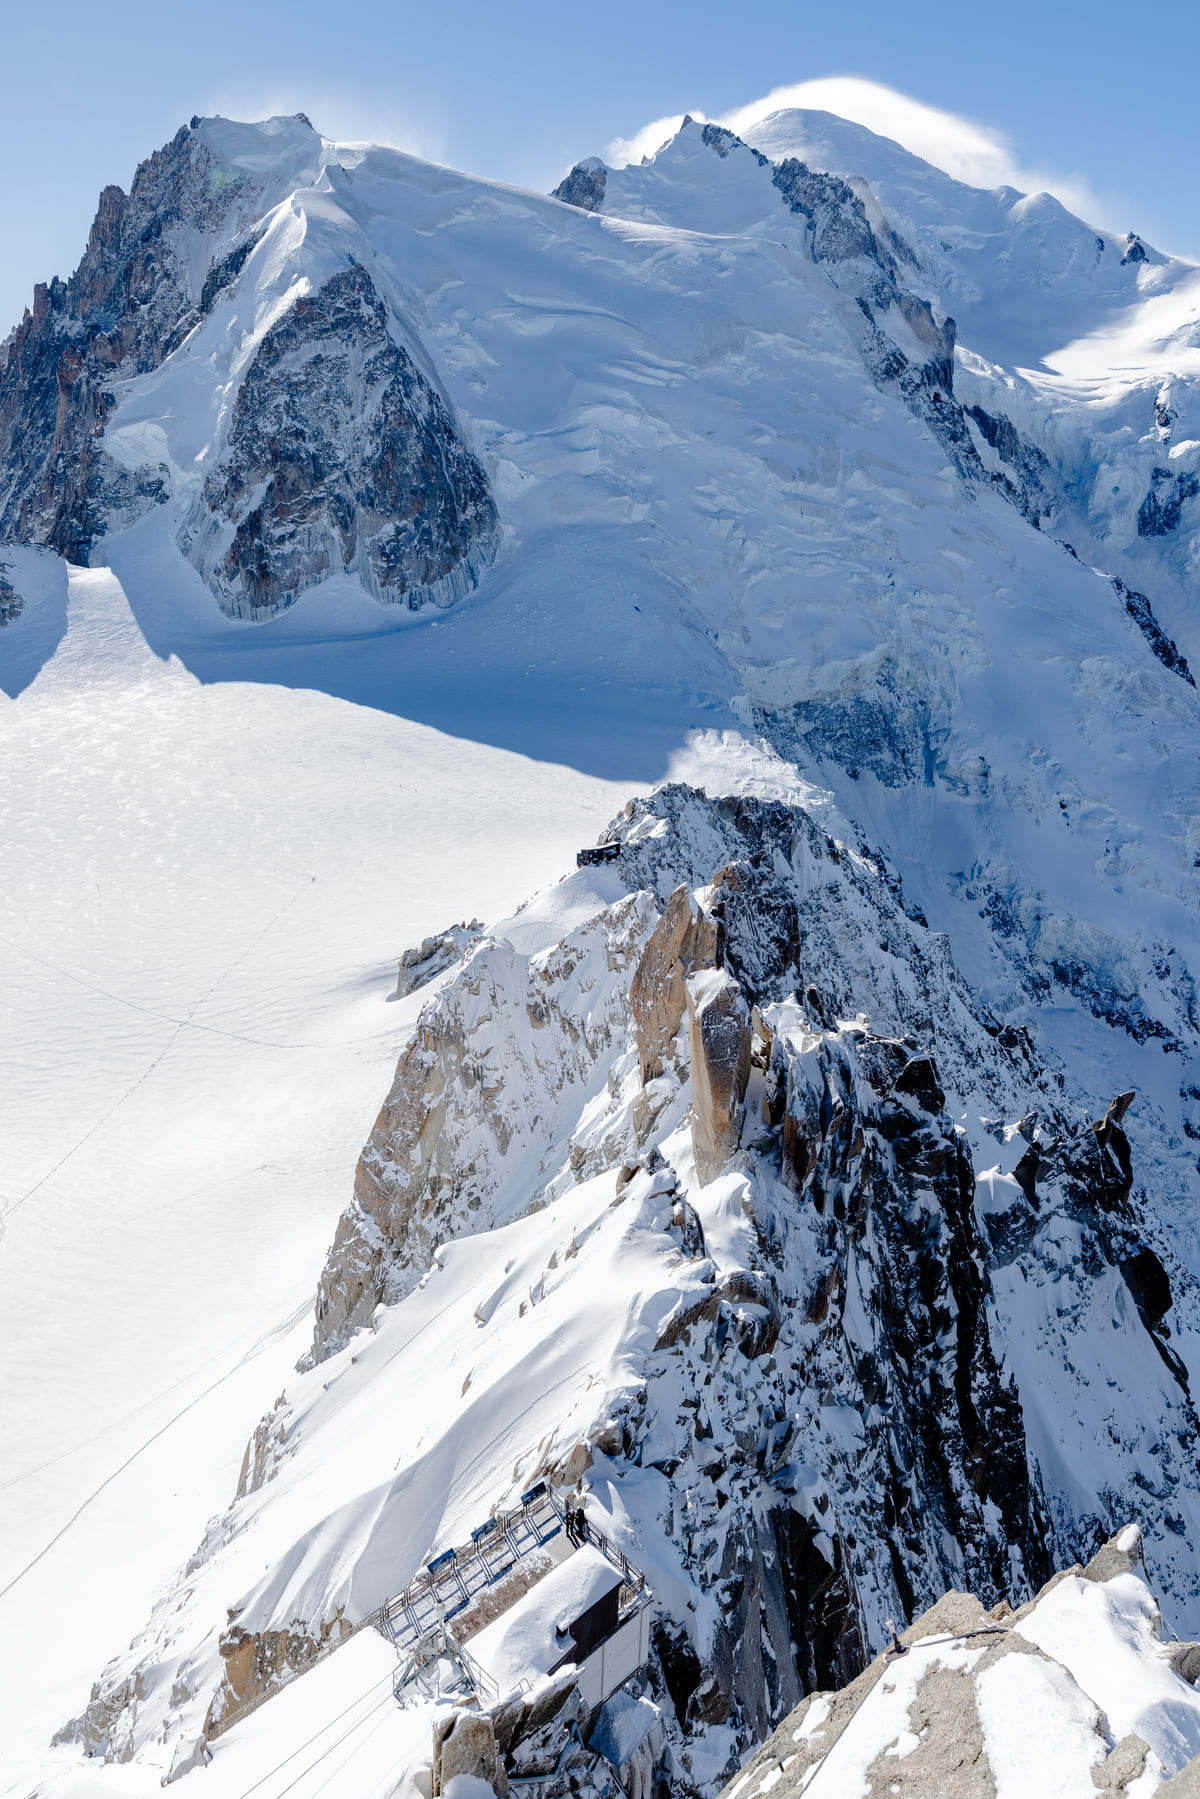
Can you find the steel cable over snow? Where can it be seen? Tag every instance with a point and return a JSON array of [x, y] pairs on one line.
[[362, 1699]]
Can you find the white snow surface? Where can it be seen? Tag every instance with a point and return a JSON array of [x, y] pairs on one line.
[[218, 838], [1039, 1730], [1047, 1720], [206, 889], [1108, 1635], [533, 1636]]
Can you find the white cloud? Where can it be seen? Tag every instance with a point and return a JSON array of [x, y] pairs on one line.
[[969, 151], [645, 142]]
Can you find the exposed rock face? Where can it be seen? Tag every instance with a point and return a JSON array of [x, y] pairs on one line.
[[340, 456], [874, 1294], [1032, 483], [11, 602], [981, 1698], [465, 1743], [913, 355], [434, 955], [1139, 610], [414, 1181], [865, 1141], [126, 307], [886, 1347], [259, 1662], [1162, 509], [722, 140], [109, 1720], [719, 1040], [684, 939], [584, 186]]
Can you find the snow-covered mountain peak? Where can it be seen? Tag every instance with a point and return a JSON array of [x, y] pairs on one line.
[[285, 143], [818, 1171]]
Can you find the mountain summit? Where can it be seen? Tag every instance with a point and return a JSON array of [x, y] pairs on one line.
[[800, 1193]]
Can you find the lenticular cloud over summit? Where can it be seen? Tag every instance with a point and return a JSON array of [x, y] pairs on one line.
[[973, 153]]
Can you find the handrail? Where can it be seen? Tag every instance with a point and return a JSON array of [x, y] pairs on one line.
[[449, 1568]]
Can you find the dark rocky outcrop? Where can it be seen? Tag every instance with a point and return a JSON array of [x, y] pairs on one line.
[[866, 267], [128, 304], [1162, 508], [1139, 609], [722, 140], [341, 455], [719, 1040], [341, 452], [584, 186], [12, 603], [1033, 484]]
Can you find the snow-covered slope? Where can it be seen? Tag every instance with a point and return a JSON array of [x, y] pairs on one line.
[[695, 444], [815, 1356]]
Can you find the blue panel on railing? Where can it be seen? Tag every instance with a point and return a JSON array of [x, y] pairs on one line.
[[485, 1530], [442, 1561], [533, 1493]]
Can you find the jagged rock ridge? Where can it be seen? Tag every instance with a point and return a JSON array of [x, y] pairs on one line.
[[877, 1351]]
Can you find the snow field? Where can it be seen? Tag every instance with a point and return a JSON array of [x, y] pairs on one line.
[[206, 889]]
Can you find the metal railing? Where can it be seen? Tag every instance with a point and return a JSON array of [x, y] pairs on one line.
[[417, 1619], [447, 1586], [450, 1582]]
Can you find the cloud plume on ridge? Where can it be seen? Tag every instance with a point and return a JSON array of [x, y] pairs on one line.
[[973, 153]]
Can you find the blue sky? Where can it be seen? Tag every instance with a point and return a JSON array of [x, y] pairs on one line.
[[1097, 101]]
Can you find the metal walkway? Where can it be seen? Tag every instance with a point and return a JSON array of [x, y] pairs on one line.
[[417, 1619], [450, 1582]]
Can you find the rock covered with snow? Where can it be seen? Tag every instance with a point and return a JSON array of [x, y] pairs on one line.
[[1074, 1692], [434, 955], [338, 452], [143, 283], [340, 455], [866, 1290], [900, 1330], [503, 1065]]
